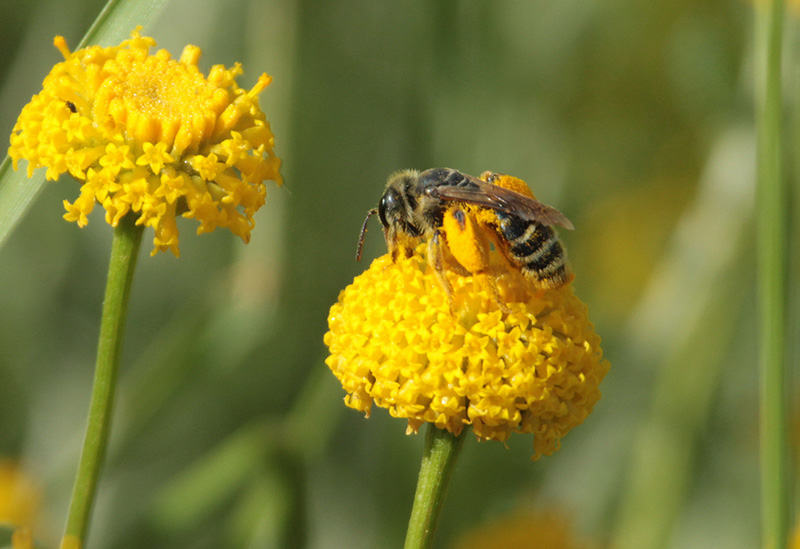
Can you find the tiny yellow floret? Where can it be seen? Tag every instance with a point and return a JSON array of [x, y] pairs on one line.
[[151, 135], [396, 340]]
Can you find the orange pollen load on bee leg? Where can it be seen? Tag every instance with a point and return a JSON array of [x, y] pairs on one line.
[[470, 246], [466, 240]]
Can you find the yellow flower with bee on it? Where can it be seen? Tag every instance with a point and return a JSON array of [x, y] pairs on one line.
[[151, 135], [446, 335]]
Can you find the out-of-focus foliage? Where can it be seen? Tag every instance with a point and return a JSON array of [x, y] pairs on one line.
[[633, 118]]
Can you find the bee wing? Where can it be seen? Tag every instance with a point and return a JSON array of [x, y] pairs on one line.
[[503, 200]]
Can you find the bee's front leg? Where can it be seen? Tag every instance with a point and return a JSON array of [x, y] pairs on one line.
[[398, 243]]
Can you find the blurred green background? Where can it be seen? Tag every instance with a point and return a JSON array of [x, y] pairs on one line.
[[633, 118]]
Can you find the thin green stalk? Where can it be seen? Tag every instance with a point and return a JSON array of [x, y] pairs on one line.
[[772, 218], [438, 461], [124, 251]]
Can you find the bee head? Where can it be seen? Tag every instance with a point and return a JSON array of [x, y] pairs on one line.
[[399, 200], [396, 209]]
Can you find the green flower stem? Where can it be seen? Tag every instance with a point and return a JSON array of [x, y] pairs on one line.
[[772, 215], [438, 461], [124, 251]]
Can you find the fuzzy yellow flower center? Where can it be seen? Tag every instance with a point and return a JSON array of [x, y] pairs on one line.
[[159, 100], [152, 136]]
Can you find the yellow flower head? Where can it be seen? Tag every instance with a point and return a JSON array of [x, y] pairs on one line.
[[19, 496], [397, 340], [151, 135], [551, 529]]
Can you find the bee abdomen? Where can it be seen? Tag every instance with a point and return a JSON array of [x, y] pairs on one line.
[[535, 249]]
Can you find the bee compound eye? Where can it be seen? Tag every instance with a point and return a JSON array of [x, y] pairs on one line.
[[388, 203]]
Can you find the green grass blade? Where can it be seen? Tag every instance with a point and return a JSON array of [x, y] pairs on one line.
[[772, 216], [119, 18], [16, 194], [115, 23]]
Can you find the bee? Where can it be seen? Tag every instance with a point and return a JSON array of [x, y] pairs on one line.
[[448, 209]]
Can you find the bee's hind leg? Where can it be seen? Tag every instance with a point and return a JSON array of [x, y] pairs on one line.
[[491, 281], [436, 260]]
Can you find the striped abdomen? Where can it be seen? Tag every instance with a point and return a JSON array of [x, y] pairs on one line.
[[535, 249]]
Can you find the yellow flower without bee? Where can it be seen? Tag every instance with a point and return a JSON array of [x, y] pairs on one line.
[[19, 495], [151, 135], [525, 528]]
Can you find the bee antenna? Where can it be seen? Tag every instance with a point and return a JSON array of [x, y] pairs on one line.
[[370, 213]]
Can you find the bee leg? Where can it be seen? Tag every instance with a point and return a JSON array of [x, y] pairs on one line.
[[436, 260], [490, 280], [391, 243], [397, 245]]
